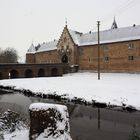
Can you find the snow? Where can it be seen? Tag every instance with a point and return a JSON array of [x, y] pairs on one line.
[[62, 124], [24, 135], [31, 49], [44, 106], [62, 137], [113, 88], [48, 46], [17, 135], [107, 36], [91, 38]]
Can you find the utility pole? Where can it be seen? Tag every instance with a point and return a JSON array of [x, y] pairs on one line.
[[98, 24]]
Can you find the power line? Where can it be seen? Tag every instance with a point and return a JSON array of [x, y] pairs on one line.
[[112, 13], [123, 7], [129, 5]]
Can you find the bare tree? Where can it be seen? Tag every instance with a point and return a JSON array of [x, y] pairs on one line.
[[9, 55]]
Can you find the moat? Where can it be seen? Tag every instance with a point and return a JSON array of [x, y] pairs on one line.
[[116, 125]]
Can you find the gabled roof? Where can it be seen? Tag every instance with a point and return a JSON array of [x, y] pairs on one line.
[[91, 38], [48, 46], [31, 49], [106, 36]]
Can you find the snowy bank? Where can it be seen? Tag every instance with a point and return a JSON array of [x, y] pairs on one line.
[[113, 88]]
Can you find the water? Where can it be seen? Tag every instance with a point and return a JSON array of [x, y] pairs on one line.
[[115, 125]]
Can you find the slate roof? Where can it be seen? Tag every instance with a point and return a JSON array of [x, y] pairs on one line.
[[91, 38]]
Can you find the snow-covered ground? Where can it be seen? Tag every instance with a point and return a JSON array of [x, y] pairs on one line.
[[17, 135], [114, 88]]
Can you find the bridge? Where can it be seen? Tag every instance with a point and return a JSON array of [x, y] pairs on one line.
[[32, 70]]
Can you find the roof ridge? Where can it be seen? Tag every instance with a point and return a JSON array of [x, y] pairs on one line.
[[107, 29]]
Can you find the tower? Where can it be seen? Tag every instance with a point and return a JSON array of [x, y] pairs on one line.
[[114, 24]]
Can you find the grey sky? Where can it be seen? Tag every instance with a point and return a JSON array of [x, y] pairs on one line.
[[24, 21]]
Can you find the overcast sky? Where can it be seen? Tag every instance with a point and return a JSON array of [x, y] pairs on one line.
[[24, 21]]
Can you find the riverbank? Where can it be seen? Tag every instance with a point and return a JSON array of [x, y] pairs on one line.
[[83, 119], [114, 89]]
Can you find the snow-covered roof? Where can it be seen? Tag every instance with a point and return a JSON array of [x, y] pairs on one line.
[[91, 38], [31, 49], [106, 36], [48, 46]]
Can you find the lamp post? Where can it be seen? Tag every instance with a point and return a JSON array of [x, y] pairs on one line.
[[98, 24]]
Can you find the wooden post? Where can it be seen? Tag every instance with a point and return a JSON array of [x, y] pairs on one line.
[[98, 23]]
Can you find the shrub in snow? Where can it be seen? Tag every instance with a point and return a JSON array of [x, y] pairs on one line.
[[9, 122], [49, 121]]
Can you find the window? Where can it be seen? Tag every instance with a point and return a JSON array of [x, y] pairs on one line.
[[90, 60], [130, 46], [130, 58], [81, 51], [106, 58]]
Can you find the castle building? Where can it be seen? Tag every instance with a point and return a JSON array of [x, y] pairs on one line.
[[119, 49]]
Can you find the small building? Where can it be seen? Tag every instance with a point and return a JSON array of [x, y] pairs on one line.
[[119, 49]]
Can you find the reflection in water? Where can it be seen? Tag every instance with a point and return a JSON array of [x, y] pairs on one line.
[[83, 119], [18, 102]]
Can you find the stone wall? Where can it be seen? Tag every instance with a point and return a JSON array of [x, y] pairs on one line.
[[30, 58], [49, 121], [47, 57], [32, 70], [113, 57]]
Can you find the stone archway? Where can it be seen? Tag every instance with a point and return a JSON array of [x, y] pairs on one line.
[[54, 72], [64, 59], [14, 74], [41, 72], [28, 73]]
